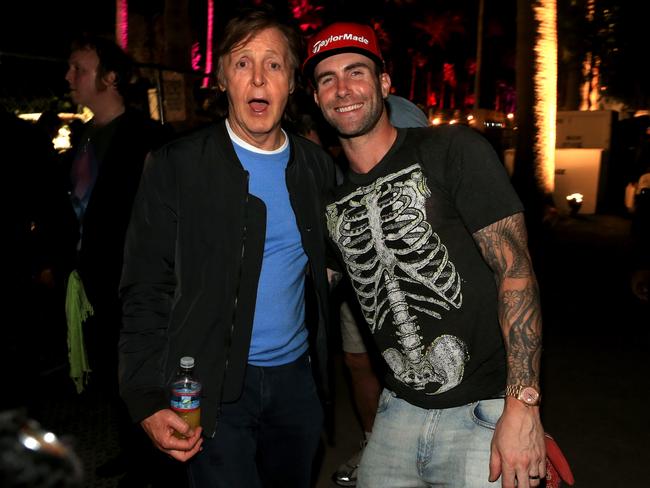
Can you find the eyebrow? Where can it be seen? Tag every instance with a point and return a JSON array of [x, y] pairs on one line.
[[246, 51], [348, 68]]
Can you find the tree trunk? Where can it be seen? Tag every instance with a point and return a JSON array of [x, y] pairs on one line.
[[479, 55], [178, 86], [528, 177]]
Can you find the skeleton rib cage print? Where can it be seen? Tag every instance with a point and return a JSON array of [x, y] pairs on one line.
[[400, 270]]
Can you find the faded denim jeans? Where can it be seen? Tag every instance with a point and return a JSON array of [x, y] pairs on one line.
[[415, 447]]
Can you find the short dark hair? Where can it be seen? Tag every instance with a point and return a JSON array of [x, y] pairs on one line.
[[250, 22], [111, 58]]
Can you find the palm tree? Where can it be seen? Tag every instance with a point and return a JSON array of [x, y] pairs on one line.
[[437, 29], [179, 99], [534, 171]]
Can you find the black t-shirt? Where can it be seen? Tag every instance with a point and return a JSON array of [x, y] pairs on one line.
[[404, 234]]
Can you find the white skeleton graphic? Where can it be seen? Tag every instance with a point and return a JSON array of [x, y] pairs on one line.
[[388, 246]]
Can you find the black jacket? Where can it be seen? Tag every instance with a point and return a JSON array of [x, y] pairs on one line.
[[191, 267], [109, 208]]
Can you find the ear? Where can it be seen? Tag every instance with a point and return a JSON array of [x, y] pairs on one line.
[[384, 81], [109, 79], [221, 79], [292, 86]]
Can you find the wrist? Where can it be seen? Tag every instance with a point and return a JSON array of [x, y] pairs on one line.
[[516, 406]]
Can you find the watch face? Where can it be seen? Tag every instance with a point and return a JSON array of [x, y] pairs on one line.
[[529, 395]]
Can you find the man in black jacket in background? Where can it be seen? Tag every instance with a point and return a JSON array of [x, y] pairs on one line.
[[104, 176]]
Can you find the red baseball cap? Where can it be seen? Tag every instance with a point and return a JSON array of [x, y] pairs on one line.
[[341, 37]]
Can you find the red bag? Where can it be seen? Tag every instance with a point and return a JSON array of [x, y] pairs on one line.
[[557, 467]]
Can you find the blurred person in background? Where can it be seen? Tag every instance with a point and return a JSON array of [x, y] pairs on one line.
[[640, 228], [105, 172], [39, 255]]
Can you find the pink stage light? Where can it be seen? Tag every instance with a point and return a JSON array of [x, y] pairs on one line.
[[122, 23], [208, 47]]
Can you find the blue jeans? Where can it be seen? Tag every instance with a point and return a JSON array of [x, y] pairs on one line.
[[415, 447], [267, 438]]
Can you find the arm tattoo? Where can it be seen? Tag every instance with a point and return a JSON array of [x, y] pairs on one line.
[[504, 248]]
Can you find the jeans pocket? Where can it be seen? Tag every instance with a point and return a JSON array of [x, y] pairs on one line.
[[384, 400], [487, 413]]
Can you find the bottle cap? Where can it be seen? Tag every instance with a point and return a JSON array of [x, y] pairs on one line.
[[187, 362]]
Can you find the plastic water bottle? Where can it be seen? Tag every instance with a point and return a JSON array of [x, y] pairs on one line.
[[186, 394]]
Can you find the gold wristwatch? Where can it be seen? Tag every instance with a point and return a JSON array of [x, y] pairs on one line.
[[526, 394]]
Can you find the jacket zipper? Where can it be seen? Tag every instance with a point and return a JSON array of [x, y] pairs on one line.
[[303, 230], [235, 302]]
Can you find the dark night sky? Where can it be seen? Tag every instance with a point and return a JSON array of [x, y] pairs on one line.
[[46, 29]]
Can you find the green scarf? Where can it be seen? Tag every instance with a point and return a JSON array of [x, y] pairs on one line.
[[77, 309]]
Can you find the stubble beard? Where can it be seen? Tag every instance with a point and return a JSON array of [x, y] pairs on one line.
[[366, 124]]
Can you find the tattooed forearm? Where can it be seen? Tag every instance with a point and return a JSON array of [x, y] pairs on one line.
[[519, 314], [504, 247]]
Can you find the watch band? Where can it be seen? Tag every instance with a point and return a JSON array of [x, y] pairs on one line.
[[514, 390]]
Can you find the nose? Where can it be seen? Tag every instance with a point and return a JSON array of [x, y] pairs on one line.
[[68, 76], [258, 76], [342, 89]]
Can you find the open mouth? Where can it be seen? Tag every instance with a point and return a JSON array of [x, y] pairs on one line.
[[349, 108], [258, 105]]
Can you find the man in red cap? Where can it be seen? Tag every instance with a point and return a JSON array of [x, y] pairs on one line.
[[432, 237]]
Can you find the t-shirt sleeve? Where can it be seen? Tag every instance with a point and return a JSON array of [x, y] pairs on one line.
[[481, 188]]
